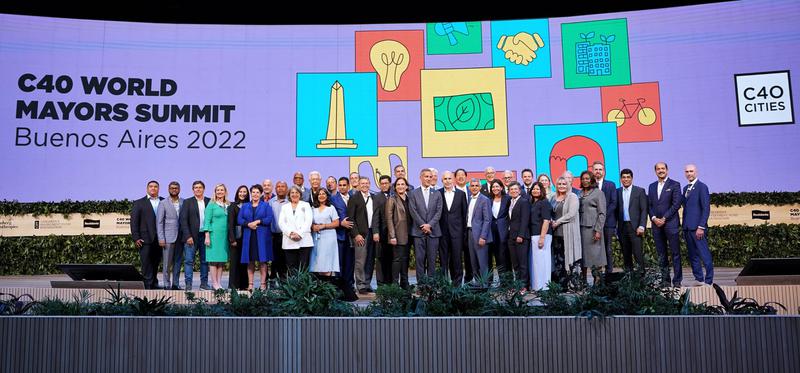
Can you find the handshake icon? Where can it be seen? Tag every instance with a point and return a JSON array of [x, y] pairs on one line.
[[520, 48]]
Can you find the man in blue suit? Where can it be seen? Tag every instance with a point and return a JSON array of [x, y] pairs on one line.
[[479, 235], [347, 258], [664, 199], [610, 191], [696, 208]]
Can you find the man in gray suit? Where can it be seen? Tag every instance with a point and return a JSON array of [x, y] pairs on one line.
[[479, 235], [632, 219], [169, 229], [426, 208]]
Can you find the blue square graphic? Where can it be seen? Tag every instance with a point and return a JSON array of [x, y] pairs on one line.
[[575, 147], [511, 36], [318, 97]]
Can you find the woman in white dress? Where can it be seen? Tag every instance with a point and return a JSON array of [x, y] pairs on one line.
[[295, 223], [325, 255]]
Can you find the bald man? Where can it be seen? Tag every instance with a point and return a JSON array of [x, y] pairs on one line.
[[696, 209]]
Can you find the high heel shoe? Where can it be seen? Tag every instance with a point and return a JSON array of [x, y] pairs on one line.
[[250, 286]]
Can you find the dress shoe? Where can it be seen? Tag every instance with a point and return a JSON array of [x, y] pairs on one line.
[[175, 287], [206, 287]]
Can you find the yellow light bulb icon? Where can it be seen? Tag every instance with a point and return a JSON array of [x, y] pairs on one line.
[[389, 58]]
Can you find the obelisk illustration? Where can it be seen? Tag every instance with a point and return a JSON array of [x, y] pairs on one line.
[[336, 137]]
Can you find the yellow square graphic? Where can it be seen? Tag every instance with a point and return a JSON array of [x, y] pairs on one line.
[[454, 82]]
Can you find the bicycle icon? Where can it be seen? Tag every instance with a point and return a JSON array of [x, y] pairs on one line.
[[646, 115]]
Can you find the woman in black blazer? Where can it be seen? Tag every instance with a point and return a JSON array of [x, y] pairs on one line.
[[498, 248], [238, 271]]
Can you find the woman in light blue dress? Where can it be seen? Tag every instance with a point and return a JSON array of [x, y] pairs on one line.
[[325, 254]]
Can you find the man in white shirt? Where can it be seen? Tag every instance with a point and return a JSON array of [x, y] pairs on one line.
[[631, 213], [365, 233], [454, 226]]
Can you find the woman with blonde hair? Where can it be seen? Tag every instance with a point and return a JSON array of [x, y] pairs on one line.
[[566, 246], [215, 227]]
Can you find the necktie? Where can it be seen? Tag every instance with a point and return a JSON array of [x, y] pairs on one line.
[[513, 202], [425, 196], [689, 189]]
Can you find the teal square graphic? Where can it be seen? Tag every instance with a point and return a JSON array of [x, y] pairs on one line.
[[527, 45], [323, 100], [596, 53], [454, 38], [469, 112], [575, 147]]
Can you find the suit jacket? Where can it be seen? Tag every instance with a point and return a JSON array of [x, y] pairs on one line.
[[341, 209], [696, 206], [485, 190], [397, 220], [379, 214], [248, 214], [454, 220], [190, 219], [233, 222], [637, 207], [143, 221], [501, 221], [421, 214], [519, 219], [610, 192], [167, 224], [667, 206], [525, 192], [481, 219], [593, 210], [357, 211]]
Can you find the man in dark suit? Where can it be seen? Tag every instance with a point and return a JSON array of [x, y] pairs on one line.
[[191, 218], [400, 171], [315, 180], [519, 239], [527, 183], [347, 259], [610, 192], [696, 209], [664, 200], [454, 228], [425, 207], [479, 234], [383, 252], [631, 212], [462, 184], [362, 210], [489, 174], [145, 233]]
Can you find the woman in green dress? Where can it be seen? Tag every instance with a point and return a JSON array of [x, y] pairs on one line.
[[216, 228]]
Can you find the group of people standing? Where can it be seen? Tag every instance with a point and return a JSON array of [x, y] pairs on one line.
[[534, 229]]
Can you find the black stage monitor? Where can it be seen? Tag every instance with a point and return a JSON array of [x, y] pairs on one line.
[[95, 276], [770, 271]]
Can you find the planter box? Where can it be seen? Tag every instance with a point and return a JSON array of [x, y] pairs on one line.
[[457, 344]]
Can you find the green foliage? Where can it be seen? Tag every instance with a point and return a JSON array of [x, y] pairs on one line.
[[11, 304], [302, 294], [392, 301], [438, 297], [755, 198], [742, 306], [14, 207], [65, 207], [40, 255]]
